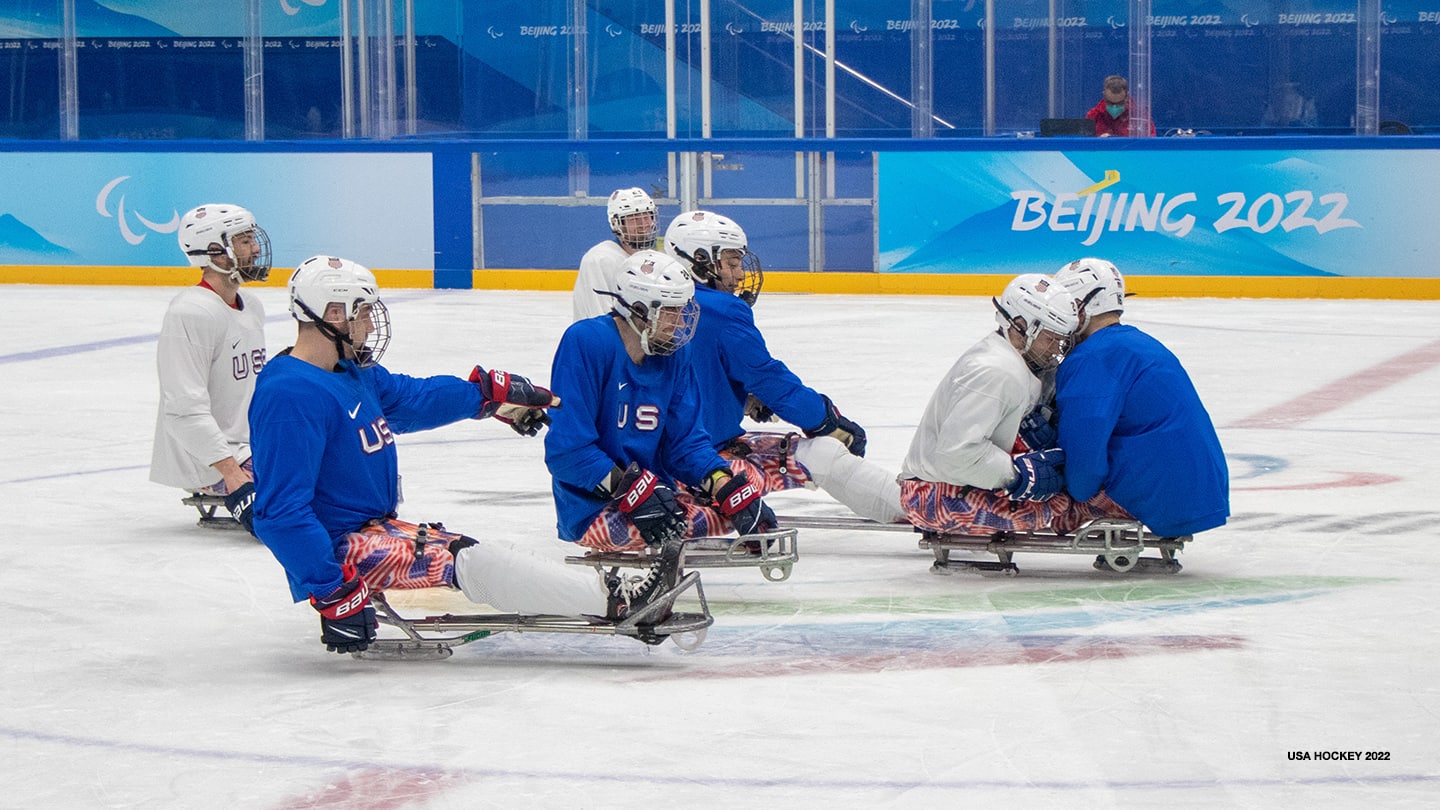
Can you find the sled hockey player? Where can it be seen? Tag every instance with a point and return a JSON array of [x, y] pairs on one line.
[[1131, 424], [631, 431], [962, 474], [632, 218], [211, 346], [323, 424], [734, 367]]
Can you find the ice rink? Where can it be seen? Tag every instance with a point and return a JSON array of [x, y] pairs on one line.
[[150, 663]]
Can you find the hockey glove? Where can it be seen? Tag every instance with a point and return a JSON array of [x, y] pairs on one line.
[[514, 400], [650, 505], [1037, 430], [241, 504], [347, 619], [757, 410], [837, 426], [739, 500], [1039, 475]]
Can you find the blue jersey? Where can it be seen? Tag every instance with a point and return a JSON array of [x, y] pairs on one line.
[[1132, 424], [323, 445], [615, 412], [731, 361]]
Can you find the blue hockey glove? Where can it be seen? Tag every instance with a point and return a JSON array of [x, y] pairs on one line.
[[739, 500], [347, 619], [241, 504], [837, 426], [1039, 475], [514, 400], [650, 505], [1037, 430], [757, 410]]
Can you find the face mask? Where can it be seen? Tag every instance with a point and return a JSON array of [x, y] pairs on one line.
[[1115, 109]]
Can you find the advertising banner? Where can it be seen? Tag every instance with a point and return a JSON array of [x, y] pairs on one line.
[[123, 209], [1204, 213]]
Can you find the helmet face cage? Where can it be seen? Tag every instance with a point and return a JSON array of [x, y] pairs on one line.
[[258, 269], [669, 328], [752, 276], [377, 341], [631, 213], [210, 231], [322, 282]]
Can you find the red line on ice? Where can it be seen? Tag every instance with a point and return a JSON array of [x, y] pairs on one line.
[[1354, 479], [1342, 392]]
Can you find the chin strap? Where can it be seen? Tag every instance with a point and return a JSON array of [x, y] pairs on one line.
[[329, 331]]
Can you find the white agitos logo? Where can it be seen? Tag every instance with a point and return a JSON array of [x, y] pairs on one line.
[[102, 206], [293, 10]]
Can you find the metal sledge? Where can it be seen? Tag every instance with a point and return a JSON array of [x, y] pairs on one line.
[[436, 637], [1118, 546], [206, 506], [841, 523], [772, 552]]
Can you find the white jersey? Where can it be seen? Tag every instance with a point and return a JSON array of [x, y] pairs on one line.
[[598, 269], [970, 424], [207, 358]]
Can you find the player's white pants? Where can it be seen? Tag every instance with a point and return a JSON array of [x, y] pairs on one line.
[[515, 580], [867, 488]]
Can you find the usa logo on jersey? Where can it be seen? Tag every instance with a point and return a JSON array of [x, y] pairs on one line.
[[374, 436], [647, 417]]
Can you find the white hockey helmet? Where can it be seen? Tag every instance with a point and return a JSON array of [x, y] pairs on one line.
[[212, 230], [655, 294], [1096, 284], [715, 250], [1034, 303], [321, 282], [632, 218]]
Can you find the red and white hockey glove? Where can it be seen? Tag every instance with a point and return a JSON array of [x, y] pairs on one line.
[[514, 400], [739, 500], [347, 619], [649, 505]]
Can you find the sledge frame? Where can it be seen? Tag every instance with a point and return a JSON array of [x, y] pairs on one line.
[[207, 505], [1117, 545], [436, 637], [774, 553]]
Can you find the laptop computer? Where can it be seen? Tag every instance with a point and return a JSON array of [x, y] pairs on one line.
[[1050, 127]]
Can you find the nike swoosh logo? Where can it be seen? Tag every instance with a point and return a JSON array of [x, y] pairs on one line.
[[354, 410], [622, 386], [236, 343]]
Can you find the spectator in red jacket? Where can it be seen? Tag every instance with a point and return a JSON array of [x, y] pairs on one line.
[[1112, 113]]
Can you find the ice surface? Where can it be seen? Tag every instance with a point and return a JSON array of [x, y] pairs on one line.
[[149, 663]]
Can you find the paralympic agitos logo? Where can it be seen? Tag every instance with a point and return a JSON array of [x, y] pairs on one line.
[[122, 216], [1099, 211]]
